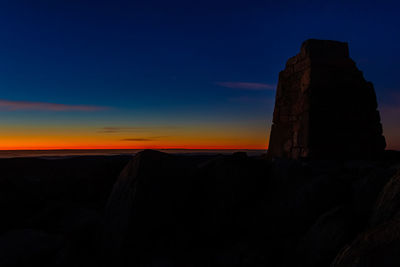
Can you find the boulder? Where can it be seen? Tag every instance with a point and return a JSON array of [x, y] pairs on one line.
[[147, 208], [325, 238], [378, 246], [172, 210], [28, 247], [387, 205]]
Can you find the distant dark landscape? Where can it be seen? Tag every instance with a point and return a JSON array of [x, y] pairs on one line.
[[109, 152]]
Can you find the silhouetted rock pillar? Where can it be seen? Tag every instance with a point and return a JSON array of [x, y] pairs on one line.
[[324, 107]]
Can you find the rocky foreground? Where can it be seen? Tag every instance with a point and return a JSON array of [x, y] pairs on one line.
[[171, 210]]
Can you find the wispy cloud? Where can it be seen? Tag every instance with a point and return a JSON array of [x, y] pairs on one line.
[[121, 129], [252, 100], [44, 106], [137, 139], [247, 85], [132, 129], [146, 139]]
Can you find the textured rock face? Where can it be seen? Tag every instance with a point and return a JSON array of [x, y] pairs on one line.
[[387, 206], [174, 210], [324, 107], [379, 244], [376, 247]]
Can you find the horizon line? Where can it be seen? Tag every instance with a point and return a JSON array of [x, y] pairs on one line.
[[69, 149]]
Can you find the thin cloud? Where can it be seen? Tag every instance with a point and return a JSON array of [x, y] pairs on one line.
[[43, 106], [121, 129], [247, 85], [132, 129], [252, 100], [137, 139], [147, 139]]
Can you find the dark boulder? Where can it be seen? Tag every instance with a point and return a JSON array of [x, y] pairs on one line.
[[28, 247], [325, 238], [378, 246], [387, 205], [181, 211], [147, 208]]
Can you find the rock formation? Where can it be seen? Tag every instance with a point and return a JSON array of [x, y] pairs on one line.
[[380, 243], [175, 210], [324, 107]]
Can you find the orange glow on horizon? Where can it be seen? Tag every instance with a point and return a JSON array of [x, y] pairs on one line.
[[140, 145], [52, 143], [45, 138], [94, 147], [15, 138], [138, 148]]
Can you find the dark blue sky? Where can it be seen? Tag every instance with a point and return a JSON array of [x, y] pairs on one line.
[[159, 62]]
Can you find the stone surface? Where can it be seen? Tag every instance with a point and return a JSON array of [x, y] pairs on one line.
[[146, 206], [324, 107], [387, 205], [325, 238], [379, 243], [28, 247], [378, 246], [173, 210]]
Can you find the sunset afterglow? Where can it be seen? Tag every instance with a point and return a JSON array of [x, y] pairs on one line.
[[162, 77]]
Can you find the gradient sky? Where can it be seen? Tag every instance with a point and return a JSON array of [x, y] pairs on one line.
[[173, 74]]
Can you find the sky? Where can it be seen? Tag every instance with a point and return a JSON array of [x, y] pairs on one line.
[[173, 74]]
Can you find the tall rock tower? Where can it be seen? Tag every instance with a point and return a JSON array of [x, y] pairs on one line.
[[324, 107]]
